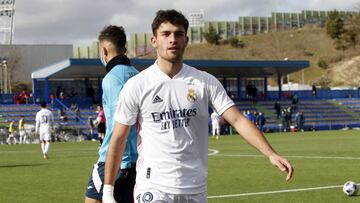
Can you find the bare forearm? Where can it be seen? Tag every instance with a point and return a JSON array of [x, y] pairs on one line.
[[248, 131], [253, 136]]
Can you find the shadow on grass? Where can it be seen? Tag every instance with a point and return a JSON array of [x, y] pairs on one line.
[[21, 165]]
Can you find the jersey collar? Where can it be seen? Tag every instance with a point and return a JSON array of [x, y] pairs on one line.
[[163, 75]]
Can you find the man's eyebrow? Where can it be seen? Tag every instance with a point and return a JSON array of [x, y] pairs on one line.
[[165, 31]]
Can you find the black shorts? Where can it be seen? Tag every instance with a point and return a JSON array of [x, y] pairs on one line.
[[101, 128], [124, 185]]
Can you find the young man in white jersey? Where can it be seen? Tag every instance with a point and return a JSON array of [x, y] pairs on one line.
[[215, 124], [43, 128], [170, 101]]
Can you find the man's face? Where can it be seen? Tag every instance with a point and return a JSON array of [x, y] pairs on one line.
[[170, 42]]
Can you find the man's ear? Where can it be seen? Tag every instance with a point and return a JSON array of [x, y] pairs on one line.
[[105, 51], [153, 41], [187, 40]]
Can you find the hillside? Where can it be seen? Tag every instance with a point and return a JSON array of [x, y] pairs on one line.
[[345, 73], [309, 43]]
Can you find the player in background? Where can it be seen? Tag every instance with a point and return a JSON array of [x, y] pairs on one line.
[[43, 127], [215, 124], [11, 133], [112, 54], [22, 132], [170, 101], [100, 122]]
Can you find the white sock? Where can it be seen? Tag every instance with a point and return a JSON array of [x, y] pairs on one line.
[[47, 147], [43, 147]]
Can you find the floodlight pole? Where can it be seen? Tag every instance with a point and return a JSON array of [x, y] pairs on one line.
[[12, 23], [9, 81], [5, 76]]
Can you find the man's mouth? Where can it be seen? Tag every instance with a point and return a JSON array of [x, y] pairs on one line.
[[172, 48]]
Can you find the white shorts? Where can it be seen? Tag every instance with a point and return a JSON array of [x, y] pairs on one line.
[[216, 130], [12, 135], [22, 133], [45, 136], [152, 195]]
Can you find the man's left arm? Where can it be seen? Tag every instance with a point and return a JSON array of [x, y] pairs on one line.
[[254, 137]]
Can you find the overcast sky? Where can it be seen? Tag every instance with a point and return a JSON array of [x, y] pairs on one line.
[[79, 21]]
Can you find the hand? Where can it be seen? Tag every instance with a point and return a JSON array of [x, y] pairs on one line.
[[282, 164], [108, 194]]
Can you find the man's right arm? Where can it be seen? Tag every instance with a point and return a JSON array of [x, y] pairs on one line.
[[113, 159]]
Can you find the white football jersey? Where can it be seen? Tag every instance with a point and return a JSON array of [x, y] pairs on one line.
[[173, 134], [44, 121]]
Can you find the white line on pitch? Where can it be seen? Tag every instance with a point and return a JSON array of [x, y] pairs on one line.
[[273, 192], [213, 152], [304, 157]]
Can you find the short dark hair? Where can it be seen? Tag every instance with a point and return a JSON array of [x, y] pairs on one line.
[[172, 16], [43, 104], [114, 34]]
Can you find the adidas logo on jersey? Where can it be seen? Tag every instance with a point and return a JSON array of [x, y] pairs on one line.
[[157, 99]]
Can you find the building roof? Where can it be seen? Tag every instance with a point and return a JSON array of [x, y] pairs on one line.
[[92, 68]]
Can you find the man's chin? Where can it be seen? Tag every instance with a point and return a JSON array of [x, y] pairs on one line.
[[174, 59]]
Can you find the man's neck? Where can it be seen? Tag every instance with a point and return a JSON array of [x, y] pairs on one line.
[[169, 68]]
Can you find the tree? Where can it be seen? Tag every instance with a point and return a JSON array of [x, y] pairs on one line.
[[353, 31], [235, 42], [211, 36], [334, 25]]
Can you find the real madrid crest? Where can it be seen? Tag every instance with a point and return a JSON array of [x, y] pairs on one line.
[[191, 95]]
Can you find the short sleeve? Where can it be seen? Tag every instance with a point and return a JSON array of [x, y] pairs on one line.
[[128, 105], [218, 98]]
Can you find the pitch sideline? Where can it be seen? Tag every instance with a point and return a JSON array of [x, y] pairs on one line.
[[215, 152], [294, 156], [273, 192]]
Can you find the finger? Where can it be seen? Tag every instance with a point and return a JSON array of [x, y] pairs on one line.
[[289, 170], [280, 166], [285, 166], [290, 173]]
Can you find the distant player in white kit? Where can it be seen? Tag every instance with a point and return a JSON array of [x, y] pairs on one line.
[[215, 124], [22, 133], [43, 128], [170, 101]]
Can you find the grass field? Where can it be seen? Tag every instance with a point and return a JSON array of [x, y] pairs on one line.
[[323, 161]]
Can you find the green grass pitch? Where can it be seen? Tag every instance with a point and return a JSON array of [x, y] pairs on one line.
[[237, 172]]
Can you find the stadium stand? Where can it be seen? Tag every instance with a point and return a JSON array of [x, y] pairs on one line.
[[70, 126], [319, 114], [353, 104]]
